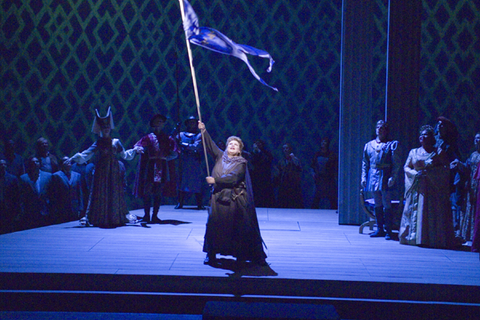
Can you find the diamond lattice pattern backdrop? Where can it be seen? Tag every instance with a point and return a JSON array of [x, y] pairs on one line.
[[59, 60], [450, 60], [62, 59]]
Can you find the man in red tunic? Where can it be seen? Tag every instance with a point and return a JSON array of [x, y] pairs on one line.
[[157, 149]]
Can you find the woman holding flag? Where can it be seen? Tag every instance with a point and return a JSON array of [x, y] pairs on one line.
[[232, 226]]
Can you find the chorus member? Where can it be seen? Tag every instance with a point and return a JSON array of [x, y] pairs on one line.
[[469, 170], [107, 207], [9, 198], [156, 148], [427, 216], [48, 161], [191, 154], [325, 172], [261, 160], [380, 166], [67, 201], [288, 177], [446, 135], [36, 195], [476, 219], [15, 164]]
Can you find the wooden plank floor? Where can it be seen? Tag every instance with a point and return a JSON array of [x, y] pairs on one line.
[[160, 269], [301, 244]]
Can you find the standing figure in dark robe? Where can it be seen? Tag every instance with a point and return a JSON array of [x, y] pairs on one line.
[[156, 149], [232, 225], [107, 207], [48, 161], [67, 201], [325, 172], [289, 178], [380, 166], [446, 136], [190, 143], [261, 163], [9, 199], [36, 195]]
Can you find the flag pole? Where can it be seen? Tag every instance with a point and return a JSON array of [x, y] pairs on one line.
[[194, 80]]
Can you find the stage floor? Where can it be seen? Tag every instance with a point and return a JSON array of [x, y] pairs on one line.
[[310, 256], [301, 244]]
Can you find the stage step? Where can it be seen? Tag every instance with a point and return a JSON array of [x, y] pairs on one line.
[[220, 310]]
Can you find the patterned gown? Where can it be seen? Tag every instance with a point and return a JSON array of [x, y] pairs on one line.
[[106, 205], [427, 216], [467, 219]]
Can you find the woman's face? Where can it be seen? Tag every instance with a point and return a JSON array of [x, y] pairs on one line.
[[426, 138], [442, 128], [106, 130], [233, 148]]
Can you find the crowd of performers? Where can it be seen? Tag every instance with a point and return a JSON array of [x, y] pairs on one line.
[[441, 195], [441, 207], [55, 189], [44, 190]]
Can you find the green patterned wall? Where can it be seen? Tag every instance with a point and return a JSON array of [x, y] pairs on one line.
[[59, 60], [450, 65], [380, 28]]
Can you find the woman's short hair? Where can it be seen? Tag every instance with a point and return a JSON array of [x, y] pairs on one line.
[[240, 142]]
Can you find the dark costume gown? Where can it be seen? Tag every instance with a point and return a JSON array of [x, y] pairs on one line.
[[261, 164], [106, 205], [232, 226]]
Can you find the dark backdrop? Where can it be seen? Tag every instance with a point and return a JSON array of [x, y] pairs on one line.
[[59, 60]]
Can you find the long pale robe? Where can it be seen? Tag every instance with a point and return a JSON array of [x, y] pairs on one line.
[[427, 216]]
